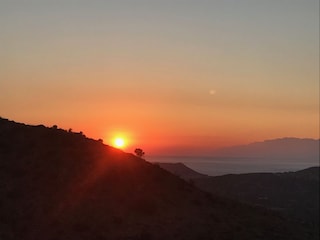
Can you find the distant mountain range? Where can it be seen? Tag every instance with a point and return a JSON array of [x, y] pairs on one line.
[[284, 148], [56, 184]]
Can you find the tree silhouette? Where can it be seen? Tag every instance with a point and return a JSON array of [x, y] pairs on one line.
[[139, 152]]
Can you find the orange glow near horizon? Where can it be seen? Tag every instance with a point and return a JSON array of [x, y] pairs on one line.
[[167, 86]]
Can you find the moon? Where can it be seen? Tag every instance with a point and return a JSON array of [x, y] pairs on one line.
[[212, 92]]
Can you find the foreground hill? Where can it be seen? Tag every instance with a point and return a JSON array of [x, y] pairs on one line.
[[180, 170], [56, 184], [295, 194]]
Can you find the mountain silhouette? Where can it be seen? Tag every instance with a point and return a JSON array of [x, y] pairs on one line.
[[291, 149], [56, 184], [295, 194]]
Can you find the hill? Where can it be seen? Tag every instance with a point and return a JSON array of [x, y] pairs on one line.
[[61, 185], [181, 170], [292, 149], [295, 194]]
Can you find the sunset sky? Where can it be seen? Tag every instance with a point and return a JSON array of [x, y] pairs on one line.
[[167, 75]]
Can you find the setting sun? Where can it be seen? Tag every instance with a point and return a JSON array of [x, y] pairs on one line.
[[119, 142]]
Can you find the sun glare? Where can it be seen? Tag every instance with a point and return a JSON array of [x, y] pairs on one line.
[[119, 142]]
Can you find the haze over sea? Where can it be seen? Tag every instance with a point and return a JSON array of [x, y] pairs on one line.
[[216, 166]]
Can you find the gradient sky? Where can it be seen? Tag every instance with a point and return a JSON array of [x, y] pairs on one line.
[[169, 75]]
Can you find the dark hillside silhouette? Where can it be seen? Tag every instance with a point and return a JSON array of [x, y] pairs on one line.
[[295, 194], [56, 184], [181, 170]]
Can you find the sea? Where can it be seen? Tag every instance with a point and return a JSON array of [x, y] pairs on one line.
[[217, 166]]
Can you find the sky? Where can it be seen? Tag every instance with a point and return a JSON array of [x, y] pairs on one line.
[[176, 76]]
